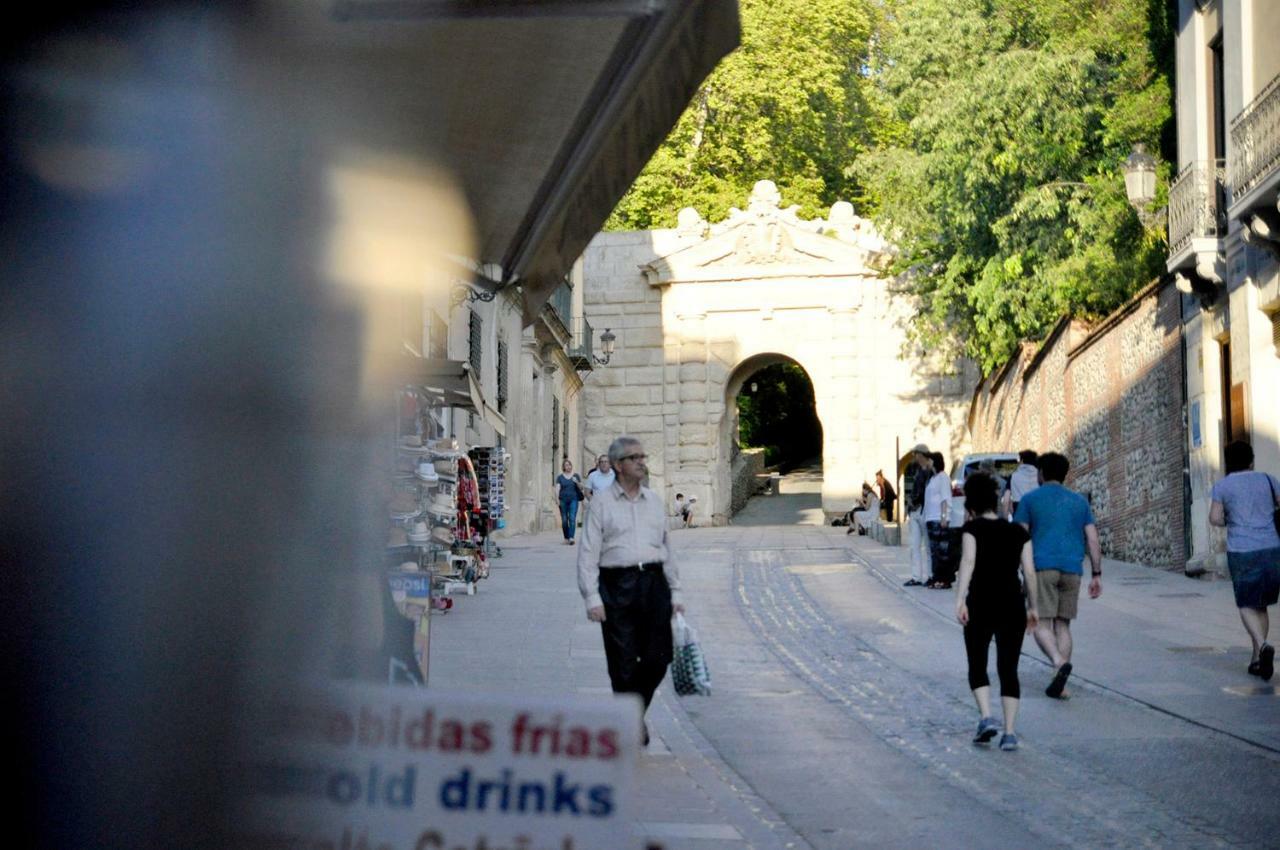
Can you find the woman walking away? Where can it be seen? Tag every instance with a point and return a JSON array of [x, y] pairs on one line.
[[1246, 502], [990, 603], [569, 492]]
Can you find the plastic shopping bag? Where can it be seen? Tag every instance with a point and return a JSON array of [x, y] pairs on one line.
[[688, 667]]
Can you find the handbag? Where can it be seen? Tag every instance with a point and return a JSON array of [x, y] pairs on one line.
[[688, 666]]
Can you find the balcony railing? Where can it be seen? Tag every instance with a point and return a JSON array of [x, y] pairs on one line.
[[581, 353], [1197, 205], [1255, 140]]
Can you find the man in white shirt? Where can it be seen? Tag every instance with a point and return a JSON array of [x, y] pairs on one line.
[[600, 478], [937, 518], [1024, 479], [628, 576], [913, 488]]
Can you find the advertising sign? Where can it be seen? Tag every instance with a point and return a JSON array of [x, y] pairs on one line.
[[375, 768]]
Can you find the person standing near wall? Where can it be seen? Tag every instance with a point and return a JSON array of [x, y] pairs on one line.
[[887, 495], [917, 535], [569, 494], [1245, 502], [628, 576], [937, 522], [1062, 528]]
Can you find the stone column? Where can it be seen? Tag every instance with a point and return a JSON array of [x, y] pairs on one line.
[[847, 412]]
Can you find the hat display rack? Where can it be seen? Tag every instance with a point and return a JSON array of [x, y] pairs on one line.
[[438, 529]]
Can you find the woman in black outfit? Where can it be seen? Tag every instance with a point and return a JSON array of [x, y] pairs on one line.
[[990, 602]]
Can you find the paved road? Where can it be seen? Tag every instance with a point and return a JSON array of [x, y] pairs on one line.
[[841, 716]]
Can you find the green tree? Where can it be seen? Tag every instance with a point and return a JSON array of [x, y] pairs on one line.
[[997, 173], [789, 105], [780, 415]]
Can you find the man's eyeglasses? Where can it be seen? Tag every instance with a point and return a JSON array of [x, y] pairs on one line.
[[634, 457]]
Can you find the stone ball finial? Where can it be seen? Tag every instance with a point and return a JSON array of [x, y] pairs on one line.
[[841, 213], [689, 219], [765, 195]]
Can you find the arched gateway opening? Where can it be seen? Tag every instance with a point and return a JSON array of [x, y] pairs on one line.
[[773, 422]]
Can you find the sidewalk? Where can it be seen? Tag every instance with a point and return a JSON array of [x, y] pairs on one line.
[[1167, 641], [526, 630]]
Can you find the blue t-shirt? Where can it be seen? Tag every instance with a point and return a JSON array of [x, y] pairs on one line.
[[1056, 518], [1248, 504], [568, 487]]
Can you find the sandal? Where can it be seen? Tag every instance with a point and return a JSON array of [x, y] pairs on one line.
[[1059, 681]]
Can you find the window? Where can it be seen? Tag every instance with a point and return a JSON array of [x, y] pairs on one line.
[[439, 342], [555, 430], [474, 346], [411, 310], [1218, 100], [502, 376]]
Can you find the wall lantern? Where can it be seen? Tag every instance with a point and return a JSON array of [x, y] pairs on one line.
[[1140, 178], [607, 340], [754, 386]]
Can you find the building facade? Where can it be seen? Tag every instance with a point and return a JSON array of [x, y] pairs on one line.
[[527, 385], [1224, 241]]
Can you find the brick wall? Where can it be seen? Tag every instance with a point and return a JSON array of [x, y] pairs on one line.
[[1110, 398]]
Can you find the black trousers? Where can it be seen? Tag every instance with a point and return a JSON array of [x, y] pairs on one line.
[[1007, 625], [636, 628]]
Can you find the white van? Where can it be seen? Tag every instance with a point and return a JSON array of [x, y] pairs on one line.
[[1005, 464]]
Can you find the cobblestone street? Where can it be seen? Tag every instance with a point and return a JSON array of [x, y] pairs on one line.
[[841, 716]]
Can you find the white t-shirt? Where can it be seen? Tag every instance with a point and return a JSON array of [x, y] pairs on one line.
[[1024, 479], [598, 480], [936, 496]]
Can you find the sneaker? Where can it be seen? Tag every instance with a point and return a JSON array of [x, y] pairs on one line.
[[912, 583], [987, 729], [1266, 662], [1008, 742]]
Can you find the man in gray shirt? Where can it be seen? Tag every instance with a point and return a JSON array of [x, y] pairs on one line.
[[628, 576]]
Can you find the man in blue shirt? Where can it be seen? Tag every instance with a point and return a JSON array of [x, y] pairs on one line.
[[1062, 528]]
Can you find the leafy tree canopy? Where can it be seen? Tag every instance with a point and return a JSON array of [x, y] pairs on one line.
[[1006, 122], [789, 105]]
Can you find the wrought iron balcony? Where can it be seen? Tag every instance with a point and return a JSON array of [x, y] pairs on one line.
[[1197, 205], [580, 352], [1255, 142], [561, 302]]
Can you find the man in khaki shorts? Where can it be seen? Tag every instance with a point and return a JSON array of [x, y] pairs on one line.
[[1062, 529]]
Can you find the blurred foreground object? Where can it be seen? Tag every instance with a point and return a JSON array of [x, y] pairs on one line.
[[207, 213]]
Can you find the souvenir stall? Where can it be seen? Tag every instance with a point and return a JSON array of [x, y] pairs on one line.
[[490, 467], [435, 544]]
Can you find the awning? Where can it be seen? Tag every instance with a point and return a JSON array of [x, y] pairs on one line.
[[448, 382], [544, 110]]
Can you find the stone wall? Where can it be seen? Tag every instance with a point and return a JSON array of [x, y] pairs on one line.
[[1110, 398], [747, 467]]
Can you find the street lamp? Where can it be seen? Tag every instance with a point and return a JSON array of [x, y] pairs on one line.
[[1140, 183], [606, 345]]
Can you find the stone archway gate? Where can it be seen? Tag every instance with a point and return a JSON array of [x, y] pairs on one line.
[[698, 308]]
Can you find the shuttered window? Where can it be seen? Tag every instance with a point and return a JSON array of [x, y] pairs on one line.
[[502, 376], [555, 430], [474, 346]]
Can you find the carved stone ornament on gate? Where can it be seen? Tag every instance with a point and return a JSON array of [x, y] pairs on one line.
[[766, 240]]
